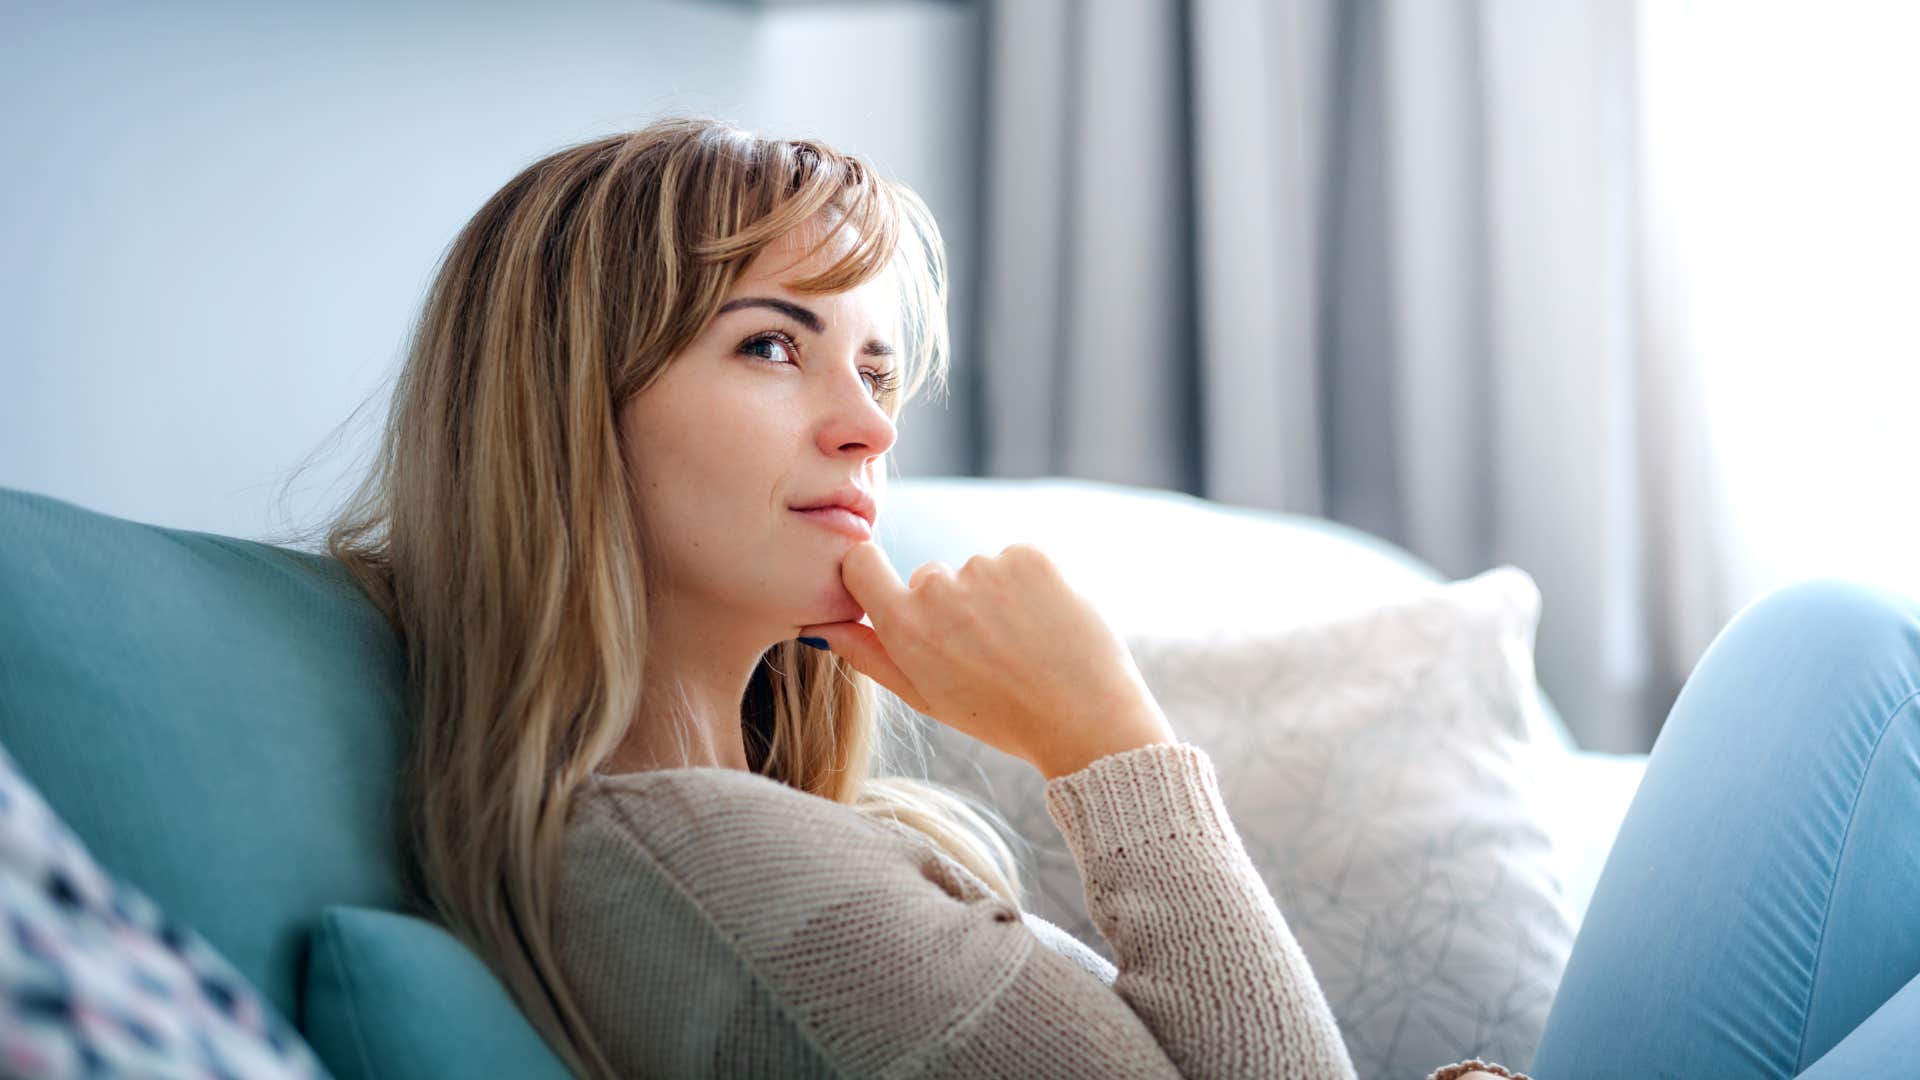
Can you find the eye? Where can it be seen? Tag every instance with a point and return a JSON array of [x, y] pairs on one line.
[[884, 382], [772, 337]]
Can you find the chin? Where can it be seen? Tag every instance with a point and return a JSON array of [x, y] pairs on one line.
[[836, 605]]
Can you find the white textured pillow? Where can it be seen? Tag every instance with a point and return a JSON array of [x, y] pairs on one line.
[[1376, 766]]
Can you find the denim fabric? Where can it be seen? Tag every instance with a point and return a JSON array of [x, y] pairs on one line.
[[1759, 914]]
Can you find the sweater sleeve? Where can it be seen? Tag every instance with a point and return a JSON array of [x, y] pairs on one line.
[[1204, 957]]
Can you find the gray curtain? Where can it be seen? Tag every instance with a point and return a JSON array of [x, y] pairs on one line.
[[1382, 262]]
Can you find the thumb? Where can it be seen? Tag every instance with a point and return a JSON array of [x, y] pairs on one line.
[[857, 644], [869, 577]]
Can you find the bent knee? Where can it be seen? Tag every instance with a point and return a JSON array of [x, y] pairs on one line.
[[1837, 600], [1835, 620]]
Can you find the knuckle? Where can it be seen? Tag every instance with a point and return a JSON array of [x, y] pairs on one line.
[[1024, 551], [931, 571], [1027, 557]]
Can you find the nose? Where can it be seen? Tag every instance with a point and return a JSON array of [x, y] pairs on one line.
[[853, 422]]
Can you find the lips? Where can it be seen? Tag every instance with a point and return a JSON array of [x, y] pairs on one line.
[[853, 500], [840, 520]]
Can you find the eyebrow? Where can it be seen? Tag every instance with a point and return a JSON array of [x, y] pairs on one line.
[[803, 316]]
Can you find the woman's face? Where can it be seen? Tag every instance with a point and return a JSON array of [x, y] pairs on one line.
[[774, 405]]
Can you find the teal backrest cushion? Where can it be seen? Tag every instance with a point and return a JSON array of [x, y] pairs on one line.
[[220, 721], [393, 997]]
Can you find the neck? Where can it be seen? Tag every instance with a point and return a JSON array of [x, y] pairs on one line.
[[696, 677]]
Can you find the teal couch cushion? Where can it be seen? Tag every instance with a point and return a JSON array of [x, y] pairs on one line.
[[220, 721], [393, 997]]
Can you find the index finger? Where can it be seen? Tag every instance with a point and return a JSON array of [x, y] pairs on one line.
[[872, 581]]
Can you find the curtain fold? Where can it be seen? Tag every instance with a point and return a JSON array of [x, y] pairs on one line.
[[1381, 261]]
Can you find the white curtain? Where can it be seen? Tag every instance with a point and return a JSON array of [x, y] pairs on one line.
[[1383, 261], [1785, 177]]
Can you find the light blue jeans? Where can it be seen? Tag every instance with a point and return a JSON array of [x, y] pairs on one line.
[[1759, 914]]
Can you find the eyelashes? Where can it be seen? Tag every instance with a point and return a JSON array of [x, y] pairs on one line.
[[884, 382]]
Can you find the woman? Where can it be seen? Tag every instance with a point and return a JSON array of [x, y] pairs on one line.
[[629, 476]]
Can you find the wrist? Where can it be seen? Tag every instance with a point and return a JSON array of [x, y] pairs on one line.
[[1114, 727], [1085, 756]]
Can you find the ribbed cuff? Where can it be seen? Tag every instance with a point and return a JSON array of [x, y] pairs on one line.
[[1151, 792], [1450, 1072]]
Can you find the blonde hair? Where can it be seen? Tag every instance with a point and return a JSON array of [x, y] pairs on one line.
[[498, 530]]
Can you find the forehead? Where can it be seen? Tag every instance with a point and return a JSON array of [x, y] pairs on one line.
[[788, 259]]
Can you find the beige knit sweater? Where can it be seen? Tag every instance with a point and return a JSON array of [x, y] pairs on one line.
[[717, 922]]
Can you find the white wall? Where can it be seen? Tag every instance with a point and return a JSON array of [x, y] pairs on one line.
[[217, 220]]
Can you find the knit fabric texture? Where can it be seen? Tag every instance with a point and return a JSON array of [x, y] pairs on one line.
[[713, 921]]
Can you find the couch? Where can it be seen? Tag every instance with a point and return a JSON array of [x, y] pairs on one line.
[[221, 721]]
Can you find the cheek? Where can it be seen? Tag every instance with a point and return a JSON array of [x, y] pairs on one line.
[[714, 463], [706, 489], [689, 434]]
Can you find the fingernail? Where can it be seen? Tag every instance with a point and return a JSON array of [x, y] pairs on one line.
[[816, 642]]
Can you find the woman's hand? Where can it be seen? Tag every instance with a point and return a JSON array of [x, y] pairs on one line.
[[1003, 650]]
